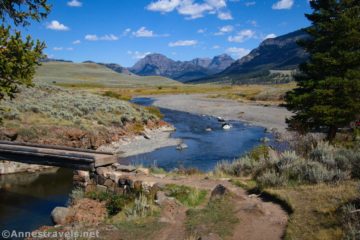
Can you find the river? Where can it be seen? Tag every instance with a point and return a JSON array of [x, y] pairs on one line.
[[27, 199]]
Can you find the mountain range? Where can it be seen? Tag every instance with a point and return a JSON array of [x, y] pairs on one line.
[[275, 60], [183, 71], [279, 54]]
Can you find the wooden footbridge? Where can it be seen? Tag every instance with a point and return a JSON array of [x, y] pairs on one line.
[[48, 155]]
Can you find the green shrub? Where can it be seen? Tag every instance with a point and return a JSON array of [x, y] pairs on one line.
[[350, 218], [114, 202], [270, 178], [189, 196], [141, 208], [115, 95]]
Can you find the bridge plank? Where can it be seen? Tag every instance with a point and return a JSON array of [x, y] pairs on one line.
[[57, 156]]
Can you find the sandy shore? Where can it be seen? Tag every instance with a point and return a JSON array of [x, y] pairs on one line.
[[268, 117], [154, 139]]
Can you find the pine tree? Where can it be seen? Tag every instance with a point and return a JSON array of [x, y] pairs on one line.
[[18, 56], [328, 86]]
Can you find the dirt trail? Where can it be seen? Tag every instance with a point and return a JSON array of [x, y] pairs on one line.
[[258, 219]]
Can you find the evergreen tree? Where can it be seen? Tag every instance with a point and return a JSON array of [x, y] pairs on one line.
[[18, 56], [328, 91]]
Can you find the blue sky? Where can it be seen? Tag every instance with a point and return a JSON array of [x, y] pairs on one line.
[[122, 31]]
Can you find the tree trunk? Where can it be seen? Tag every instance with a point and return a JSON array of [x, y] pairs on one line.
[[332, 133]]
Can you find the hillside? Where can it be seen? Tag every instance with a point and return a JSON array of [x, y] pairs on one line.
[[182, 71], [93, 75], [281, 54]]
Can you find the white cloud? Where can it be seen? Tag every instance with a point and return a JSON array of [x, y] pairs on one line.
[[107, 37], [91, 37], [191, 9], [283, 4], [183, 43], [248, 4], [137, 54], [126, 32], [225, 16], [57, 26], [62, 49], [242, 36], [143, 32], [202, 30], [74, 3], [76, 42], [271, 35], [163, 6], [224, 29], [216, 47], [237, 52]]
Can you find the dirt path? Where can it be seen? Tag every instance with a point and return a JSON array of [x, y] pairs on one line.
[[269, 117], [258, 219]]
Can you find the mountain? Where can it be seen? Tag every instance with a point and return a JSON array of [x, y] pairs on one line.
[[274, 57], [160, 65], [117, 68]]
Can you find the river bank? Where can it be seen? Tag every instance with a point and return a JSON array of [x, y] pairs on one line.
[[270, 117]]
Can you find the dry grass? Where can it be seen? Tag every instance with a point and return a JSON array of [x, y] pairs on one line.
[[315, 209]]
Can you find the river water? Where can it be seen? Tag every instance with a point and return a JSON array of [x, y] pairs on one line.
[[26, 200], [205, 148]]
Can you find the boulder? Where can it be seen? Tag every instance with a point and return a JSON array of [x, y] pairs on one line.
[[61, 215], [103, 171], [181, 146], [264, 139], [124, 168], [144, 171], [101, 188], [219, 192], [115, 176]]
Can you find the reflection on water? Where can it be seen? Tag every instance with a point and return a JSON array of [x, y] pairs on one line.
[[27, 199], [205, 148]]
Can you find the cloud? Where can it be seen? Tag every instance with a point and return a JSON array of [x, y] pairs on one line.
[[248, 4], [163, 6], [76, 42], [225, 16], [215, 47], [137, 54], [202, 30], [107, 37], [237, 52], [191, 9], [224, 29], [126, 32], [143, 32], [283, 4], [271, 35], [74, 3], [242, 36], [183, 43], [62, 49], [57, 26]]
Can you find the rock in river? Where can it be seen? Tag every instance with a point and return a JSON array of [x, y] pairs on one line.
[[181, 146]]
